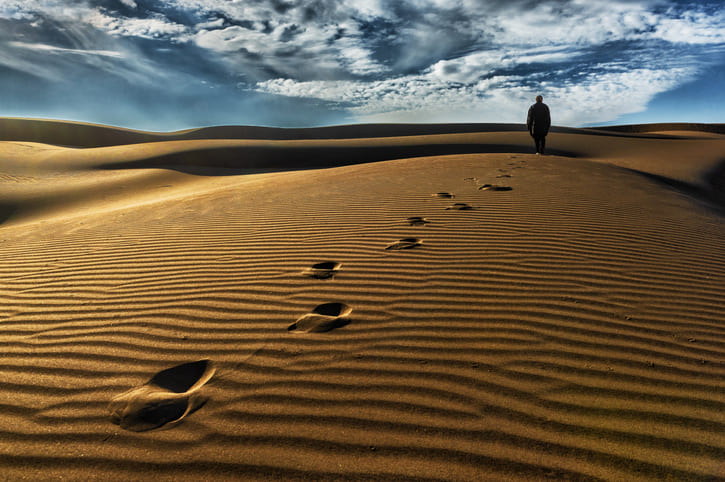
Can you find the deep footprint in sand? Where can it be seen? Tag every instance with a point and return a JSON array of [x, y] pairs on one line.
[[324, 317], [444, 195], [459, 207], [491, 187], [405, 243], [324, 270], [165, 400], [417, 221]]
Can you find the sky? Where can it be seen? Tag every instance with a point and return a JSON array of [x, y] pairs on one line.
[[165, 65]]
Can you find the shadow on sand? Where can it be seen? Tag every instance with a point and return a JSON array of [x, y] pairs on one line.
[[243, 159], [7, 211], [711, 193]]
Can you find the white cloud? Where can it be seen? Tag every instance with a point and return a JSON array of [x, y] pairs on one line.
[[368, 8], [323, 40], [149, 28], [129, 3], [13, 9], [599, 97], [320, 11], [592, 22], [27, 9], [305, 52], [230, 39], [307, 40], [471, 67], [474, 86], [605, 97], [580, 24], [692, 28], [357, 59], [210, 25]]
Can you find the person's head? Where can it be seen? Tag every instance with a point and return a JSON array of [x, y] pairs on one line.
[[539, 98]]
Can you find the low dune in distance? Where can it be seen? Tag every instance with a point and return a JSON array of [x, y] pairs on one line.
[[375, 302]]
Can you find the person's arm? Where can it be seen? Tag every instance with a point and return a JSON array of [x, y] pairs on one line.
[[530, 119]]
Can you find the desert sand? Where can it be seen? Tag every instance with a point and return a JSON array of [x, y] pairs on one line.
[[373, 302]]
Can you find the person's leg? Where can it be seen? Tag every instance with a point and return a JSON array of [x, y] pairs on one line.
[[537, 140], [542, 144]]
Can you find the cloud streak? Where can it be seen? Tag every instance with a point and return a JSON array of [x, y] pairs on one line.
[[43, 48]]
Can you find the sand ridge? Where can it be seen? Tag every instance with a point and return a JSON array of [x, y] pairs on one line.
[[141, 167], [570, 327]]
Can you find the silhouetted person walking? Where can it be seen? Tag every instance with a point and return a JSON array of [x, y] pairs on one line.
[[538, 123]]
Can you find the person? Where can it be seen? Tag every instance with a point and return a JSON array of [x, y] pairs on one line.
[[538, 123]]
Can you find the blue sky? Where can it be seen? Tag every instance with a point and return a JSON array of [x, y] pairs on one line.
[[173, 64]]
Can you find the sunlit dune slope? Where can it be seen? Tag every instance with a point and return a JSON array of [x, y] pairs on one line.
[[689, 162], [419, 303]]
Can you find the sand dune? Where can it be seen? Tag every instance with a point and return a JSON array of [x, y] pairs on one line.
[[386, 302]]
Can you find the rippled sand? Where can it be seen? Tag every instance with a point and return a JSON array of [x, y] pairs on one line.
[[362, 302]]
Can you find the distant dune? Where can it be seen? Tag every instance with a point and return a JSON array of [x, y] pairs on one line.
[[77, 134], [372, 302], [690, 128]]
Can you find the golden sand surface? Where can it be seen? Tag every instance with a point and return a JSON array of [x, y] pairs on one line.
[[380, 302]]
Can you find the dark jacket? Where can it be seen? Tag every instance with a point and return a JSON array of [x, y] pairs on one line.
[[539, 120]]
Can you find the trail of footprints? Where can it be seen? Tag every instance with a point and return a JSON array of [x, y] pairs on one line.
[[174, 393]]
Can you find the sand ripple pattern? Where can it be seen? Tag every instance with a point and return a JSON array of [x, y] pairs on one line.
[[555, 331]]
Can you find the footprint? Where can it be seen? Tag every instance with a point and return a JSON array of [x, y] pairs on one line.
[[405, 243], [503, 175], [324, 270], [444, 195], [417, 221], [325, 317], [459, 207], [166, 399], [490, 187]]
